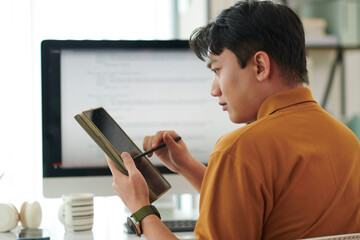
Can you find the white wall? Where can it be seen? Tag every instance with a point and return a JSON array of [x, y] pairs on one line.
[[192, 14], [217, 5]]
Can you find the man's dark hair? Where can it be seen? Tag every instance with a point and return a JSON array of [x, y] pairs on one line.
[[248, 27]]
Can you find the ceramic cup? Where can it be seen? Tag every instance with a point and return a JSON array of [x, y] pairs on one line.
[[76, 212]]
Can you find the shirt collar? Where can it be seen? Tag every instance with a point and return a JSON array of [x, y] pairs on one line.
[[284, 99]]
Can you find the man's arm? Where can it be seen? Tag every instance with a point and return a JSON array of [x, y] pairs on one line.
[[176, 157], [154, 228], [194, 172]]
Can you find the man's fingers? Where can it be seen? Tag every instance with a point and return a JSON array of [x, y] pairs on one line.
[[147, 144], [146, 141], [169, 141], [113, 168], [128, 162]]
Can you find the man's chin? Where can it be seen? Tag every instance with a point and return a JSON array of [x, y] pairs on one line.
[[240, 120]]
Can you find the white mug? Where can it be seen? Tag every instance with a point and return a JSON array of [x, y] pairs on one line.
[[76, 212]]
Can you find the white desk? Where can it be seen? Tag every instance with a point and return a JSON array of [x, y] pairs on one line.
[[109, 217]]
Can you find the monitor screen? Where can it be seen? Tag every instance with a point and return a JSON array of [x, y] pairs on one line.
[[146, 86]]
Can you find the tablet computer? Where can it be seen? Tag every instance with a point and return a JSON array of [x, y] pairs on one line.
[[113, 140]]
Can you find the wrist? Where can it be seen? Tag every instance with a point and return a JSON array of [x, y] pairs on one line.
[[187, 165], [136, 207], [134, 221]]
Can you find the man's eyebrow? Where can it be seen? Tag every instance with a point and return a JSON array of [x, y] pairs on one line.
[[210, 62]]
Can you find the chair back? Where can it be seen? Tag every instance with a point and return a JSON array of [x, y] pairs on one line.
[[352, 236]]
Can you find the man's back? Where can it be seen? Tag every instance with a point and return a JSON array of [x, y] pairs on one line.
[[318, 182]]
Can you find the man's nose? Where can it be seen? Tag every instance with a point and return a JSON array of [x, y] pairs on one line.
[[215, 88]]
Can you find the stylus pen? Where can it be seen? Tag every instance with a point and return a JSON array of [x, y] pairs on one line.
[[154, 149]]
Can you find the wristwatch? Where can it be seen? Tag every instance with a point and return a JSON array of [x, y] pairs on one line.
[[134, 220]]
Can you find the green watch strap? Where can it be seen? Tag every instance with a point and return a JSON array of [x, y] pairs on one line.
[[145, 211]]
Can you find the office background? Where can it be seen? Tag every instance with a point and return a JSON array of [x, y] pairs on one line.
[[24, 23]]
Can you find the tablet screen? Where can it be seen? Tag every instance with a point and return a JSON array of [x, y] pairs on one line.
[[122, 143]]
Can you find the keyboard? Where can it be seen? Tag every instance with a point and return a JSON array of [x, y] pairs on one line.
[[180, 225], [173, 225]]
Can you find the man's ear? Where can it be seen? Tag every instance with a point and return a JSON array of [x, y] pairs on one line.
[[262, 62]]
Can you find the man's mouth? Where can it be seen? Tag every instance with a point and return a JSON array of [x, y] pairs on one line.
[[224, 106]]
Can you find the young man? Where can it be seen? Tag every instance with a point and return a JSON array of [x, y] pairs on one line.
[[293, 172]]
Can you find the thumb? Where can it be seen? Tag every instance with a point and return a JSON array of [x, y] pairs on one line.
[[169, 141], [128, 162]]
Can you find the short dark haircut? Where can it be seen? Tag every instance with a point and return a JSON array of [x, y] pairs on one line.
[[248, 27]]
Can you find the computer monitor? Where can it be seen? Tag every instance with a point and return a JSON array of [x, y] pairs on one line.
[[146, 86]]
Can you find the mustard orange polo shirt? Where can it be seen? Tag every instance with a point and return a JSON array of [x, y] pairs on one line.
[[293, 173]]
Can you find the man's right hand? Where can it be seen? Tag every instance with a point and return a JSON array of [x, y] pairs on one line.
[[175, 155]]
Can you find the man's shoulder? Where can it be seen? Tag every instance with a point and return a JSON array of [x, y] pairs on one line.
[[243, 135], [254, 129], [273, 127]]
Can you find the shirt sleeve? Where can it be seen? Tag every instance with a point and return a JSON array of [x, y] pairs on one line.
[[233, 199]]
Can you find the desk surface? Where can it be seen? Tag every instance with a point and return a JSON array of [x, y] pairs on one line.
[[109, 217]]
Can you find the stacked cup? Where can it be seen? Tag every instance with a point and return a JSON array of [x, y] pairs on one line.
[[76, 212]]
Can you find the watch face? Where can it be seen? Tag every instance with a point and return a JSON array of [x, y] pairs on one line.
[[133, 227]]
